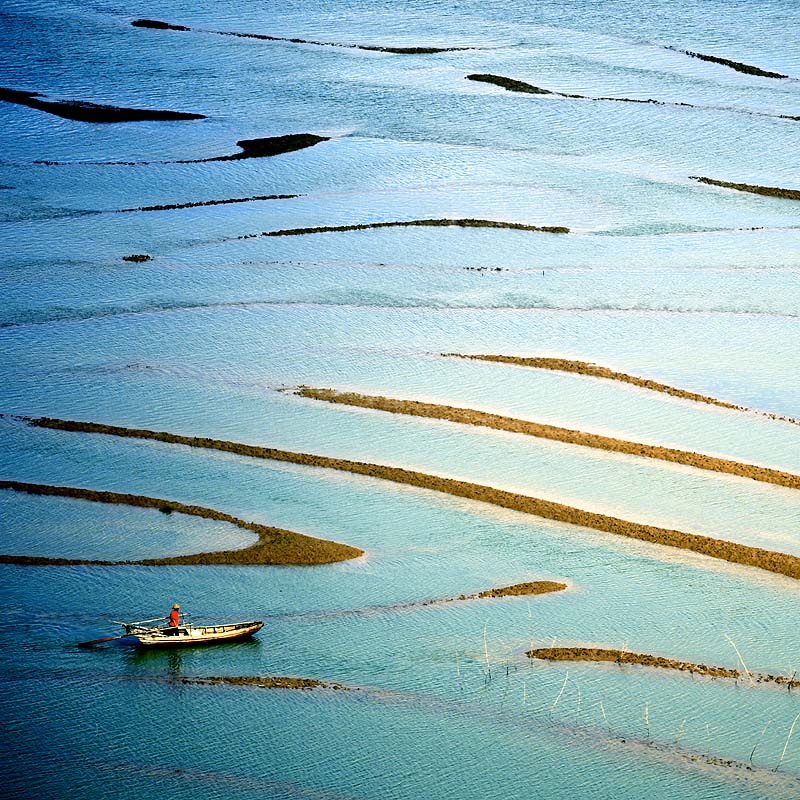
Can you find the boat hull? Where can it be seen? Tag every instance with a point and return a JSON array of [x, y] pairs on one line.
[[192, 636]]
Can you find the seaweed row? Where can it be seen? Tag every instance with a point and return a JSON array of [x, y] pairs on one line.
[[437, 223]]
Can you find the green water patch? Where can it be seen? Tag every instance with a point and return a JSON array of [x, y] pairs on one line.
[[404, 51], [764, 191], [84, 111], [413, 223], [274, 546]]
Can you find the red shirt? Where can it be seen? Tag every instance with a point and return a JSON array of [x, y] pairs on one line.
[[174, 618]]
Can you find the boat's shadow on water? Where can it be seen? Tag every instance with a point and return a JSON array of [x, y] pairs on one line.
[[175, 660]]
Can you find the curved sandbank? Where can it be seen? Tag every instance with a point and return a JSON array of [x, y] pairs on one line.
[[404, 51], [739, 66], [513, 85], [770, 560], [469, 416], [266, 682], [200, 203], [766, 191], [647, 660], [275, 546], [83, 111], [596, 371], [412, 223]]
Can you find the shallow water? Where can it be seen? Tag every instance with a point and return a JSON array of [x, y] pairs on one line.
[[694, 286]]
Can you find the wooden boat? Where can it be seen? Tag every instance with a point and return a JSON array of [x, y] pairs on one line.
[[139, 634]]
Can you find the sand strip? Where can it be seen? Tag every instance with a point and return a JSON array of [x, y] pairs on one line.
[[772, 561], [766, 191], [468, 416], [274, 546], [647, 660], [596, 371], [412, 223]]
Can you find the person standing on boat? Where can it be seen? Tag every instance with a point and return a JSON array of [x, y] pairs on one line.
[[174, 616]]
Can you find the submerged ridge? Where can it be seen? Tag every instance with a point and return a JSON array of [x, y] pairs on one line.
[[770, 560], [596, 371], [470, 416], [274, 545]]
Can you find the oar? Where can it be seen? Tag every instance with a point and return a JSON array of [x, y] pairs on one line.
[[98, 641]]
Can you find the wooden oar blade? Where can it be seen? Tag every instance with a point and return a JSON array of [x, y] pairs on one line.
[[98, 641]]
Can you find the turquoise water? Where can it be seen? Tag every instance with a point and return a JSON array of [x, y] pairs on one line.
[[690, 285]]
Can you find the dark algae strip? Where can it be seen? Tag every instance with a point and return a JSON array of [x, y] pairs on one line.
[[766, 191], [413, 223], [274, 545], [200, 203], [403, 51], [83, 111], [265, 682], [772, 561], [739, 66], [251, 148], [513, 85], [659, 662], [596, 371], [469, 416]]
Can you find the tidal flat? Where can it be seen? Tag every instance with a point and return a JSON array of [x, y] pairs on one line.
[[458, 347]]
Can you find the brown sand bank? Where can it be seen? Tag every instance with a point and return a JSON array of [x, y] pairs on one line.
[[199, 203], [596, 371], [468, 416], [413, 223], [266, 682], [770, 560], [159, 25], [274, 545], [647, 660], [84, 111], [766, 191], [519, 590]]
